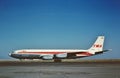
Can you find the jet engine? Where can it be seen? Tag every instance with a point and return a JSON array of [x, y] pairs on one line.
[[63, 55], [47, 57]]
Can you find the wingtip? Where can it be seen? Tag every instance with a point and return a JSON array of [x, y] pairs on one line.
[[110, 49]]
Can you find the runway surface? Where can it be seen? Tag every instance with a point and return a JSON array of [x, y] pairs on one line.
[[88, 69]]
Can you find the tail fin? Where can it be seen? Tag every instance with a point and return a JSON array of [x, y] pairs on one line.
[[98, 45]]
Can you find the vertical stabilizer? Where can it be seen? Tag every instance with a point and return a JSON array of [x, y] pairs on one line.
[[98, 45]]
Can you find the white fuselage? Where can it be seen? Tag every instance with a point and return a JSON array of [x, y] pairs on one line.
[[50, 53]]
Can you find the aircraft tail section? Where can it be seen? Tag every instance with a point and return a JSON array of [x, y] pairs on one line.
[[98, 45]]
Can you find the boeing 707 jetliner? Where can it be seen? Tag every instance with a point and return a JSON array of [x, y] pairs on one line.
[[58, 54]]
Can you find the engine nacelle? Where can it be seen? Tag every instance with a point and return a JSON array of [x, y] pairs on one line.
[[47, 57], [63, 55]]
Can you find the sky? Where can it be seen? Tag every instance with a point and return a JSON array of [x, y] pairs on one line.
[[59, 24]]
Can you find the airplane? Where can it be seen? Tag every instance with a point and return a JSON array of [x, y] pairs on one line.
[[58, 54]]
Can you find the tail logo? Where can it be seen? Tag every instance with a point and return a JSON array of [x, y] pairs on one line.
[[97, 46]]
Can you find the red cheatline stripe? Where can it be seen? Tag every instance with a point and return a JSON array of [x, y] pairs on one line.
[[79, 53], [40, 52]]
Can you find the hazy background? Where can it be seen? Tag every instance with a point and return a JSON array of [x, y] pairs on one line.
[[58, 24]]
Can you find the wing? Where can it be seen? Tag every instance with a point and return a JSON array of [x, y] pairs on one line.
[[79, 54]]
